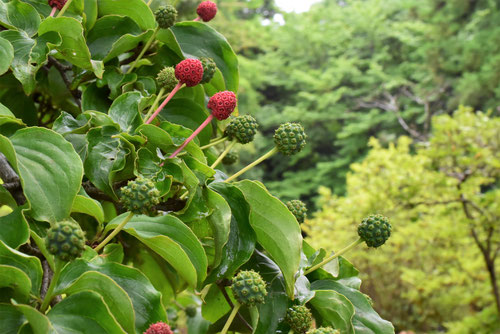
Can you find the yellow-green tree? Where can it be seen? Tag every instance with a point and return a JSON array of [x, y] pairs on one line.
[[442, 197]]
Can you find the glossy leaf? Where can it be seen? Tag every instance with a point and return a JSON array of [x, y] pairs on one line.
[[37, 321], [137, 10], [15, 230], [335, 310], [6, 55], [88, 206], [19, 15], [14, 283], [125, 111]]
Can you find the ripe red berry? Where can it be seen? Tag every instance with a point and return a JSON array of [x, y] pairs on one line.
[[207, 10], [189, 72], [57, 3], [222, 104], [159, 328]]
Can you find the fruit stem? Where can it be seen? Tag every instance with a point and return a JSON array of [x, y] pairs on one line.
[[197, 19], [231, 317], [164, 103], [194, 134], [215, 142], [334, 256], [52, 13], [223, 154], [48, 296], [144, 49], [66, 5], [253, 164], [115, 232], [155, 103], [204, 293]]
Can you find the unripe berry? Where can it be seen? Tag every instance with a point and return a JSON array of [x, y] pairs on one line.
[[324, 330], [159, 328], [140, 196], [207, 10], [249, 288], [59, 4], [189, 72], [375, 230], [166, 16], [209, 68], [242, 128], [299, 318], [166, 78], [222, 104], [298, 208], [65, 240], [230, 159], [290, 138]]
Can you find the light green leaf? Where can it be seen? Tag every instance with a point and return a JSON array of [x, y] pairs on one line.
[[15, 230], [19, 15], [125, 111], [88, 206], [6, 56], [220, 220], [14, 283], [38, 322], [335, 310], [4, 111], [137, 10]]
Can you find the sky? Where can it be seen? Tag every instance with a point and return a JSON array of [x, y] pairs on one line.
[[295, 5]]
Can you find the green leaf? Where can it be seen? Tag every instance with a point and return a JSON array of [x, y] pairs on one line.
[[73, 47], [145, 298], [276, 228], [89, 13], [197, 39], [21, 67], [172, 240], [335, 310], [125, 111], [30, 265], [6, 56], [50, 171], [113, 253], [88, 206], [20, 16], [14, 283], [137, 10], [15, 230], [4, 111], [220, 221], [10, 319], [366, 320], [94, 98], [114, 296], [84, 312], [38, 322]]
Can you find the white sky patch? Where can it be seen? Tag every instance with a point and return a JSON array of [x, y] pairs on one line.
[[295, 5]]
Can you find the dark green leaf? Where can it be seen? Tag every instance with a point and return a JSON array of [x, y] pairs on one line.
[[15, 230], [137, 10], [6, 55], [125, 111], [10, 319], [335, 310], [14, 283], [20, 15]]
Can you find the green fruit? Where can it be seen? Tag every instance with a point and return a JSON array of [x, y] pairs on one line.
[[166, 16], [298, 208], [290, 138], [230, 158], [209, 68], [299, 318], [375, 230], [65, 240], [249, 288], [166, 79], [140, 196], [324, 330], [242, 128], [191, 311]]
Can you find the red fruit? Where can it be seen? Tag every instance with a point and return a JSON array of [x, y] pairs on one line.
[[57, 3], [189, 72], [207, 10], [222, 104], [159, 328]]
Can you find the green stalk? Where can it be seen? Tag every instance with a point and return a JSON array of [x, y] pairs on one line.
[[144, 49], [66, 5], [215, 142], [155, 103], [48, 297], [115, 232], [334, 256], [253, 164], [223, 154], [231, 318]]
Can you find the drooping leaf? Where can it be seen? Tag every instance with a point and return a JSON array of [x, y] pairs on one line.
[[335, 310]]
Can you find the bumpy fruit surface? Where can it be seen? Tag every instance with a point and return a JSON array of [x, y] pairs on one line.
[[299, 318], [191, 311], [375, 230], [290, 138], [324, 330], [166, 78], [230, 159], [159, 328], [189, 72], [166, 16], [57, 3], [242, 128], [298, 208], [209, 68], [65, 240], [207, 10], [140, 196], [222, 104], [249, 288]]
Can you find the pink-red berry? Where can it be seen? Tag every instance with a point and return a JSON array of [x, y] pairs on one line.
[[222, 104], [189, 72], [57, 3], [207, 10], [159, 328]]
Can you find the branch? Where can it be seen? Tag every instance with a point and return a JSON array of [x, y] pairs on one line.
[[47, 276], [226, 296], [11, 180], [62, 70]]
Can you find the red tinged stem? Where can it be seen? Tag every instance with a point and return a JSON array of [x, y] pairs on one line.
[[164, 103], [194, 134], [53, 12], [197, 19]]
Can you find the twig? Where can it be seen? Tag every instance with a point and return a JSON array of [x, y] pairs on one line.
[[47, 276], [11, 180], [62, 70], [226, 296]]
